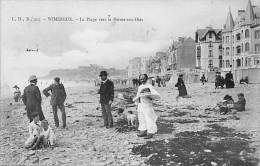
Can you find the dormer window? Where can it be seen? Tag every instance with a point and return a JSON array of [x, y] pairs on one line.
[[210, 35]]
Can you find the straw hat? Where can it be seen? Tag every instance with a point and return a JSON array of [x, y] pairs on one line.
[[147, 94]]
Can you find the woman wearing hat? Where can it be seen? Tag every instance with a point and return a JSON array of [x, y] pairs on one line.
[[181, 87], [32, 98], [146, 114], [17, 94]]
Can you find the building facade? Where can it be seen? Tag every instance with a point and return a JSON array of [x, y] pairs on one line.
[[137, 66], [241, 42], [134, 67], [208, 49], [185, 53]]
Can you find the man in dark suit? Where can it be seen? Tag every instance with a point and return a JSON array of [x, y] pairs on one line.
[[32, 99], [106, 92], [58, 96]]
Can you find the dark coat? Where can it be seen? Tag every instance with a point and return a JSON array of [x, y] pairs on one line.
[[240, 105], [58, 94], [181, 87], [106, 92], [32, 100]]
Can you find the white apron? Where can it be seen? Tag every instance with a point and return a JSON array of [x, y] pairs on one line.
[[146, 114]]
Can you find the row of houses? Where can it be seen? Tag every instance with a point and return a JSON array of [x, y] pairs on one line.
[[179, 55], [234, 48]]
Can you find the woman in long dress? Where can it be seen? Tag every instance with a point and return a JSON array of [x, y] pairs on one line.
[[146, 114], [181, 88]]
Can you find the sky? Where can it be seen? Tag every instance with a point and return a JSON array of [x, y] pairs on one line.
[[66, 44]]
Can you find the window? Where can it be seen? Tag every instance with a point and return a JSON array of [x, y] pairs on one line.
[[198, 52], [223, 39], [246, 47], [210, 63], [247, 33], [210, 53], [238, 36], [242, 47], [210, 44], [227, 51], [238, 49], [210, 35], [227, 63], [227, 39], [257, 34], [238, 62], [256, 61], [257, 47]]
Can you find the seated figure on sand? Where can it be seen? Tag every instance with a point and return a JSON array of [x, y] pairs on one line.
[[46, 138], [227, 105], [240, 105], [34, 131]]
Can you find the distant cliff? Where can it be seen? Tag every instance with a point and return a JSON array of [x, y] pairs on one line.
[[85, 73]]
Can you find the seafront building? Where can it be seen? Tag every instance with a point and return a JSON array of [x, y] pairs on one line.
[[241, 44], [208, 49]]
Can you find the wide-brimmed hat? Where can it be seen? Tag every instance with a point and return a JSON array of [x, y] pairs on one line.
[[32, 77], [147, 94], [103, 73]]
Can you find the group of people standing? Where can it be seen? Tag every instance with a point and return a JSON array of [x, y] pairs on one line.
[[220, 81], [42, 133]]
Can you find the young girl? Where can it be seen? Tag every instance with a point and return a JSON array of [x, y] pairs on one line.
[[34, 131]]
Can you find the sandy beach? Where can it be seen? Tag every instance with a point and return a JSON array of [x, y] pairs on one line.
[[188, 134]]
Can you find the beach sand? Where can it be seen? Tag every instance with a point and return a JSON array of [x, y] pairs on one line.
[[85, 142]]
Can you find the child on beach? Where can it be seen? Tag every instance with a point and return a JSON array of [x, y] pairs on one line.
[[225, 105], [34, 130], [240, 104], [46, 138]]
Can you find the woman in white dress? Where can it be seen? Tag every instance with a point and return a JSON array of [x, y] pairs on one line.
[[146, 114]]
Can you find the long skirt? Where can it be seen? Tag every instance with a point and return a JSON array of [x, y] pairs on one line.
[[147, 118]]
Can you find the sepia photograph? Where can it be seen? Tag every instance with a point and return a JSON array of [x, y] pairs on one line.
[[130, 82]]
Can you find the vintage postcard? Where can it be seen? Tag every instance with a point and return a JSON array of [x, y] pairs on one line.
[[130, 82]]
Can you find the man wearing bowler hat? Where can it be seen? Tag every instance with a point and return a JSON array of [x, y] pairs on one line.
[[106, 92], [32, 99], [58, 96]]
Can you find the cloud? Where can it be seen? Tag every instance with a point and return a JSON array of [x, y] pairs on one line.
[[15, 68], [113, 53]]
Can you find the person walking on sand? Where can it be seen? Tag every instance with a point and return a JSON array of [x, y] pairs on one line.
[[203, 79], [181, 88], [106, 92], [32, 99], [58, 97], [146, 114]]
